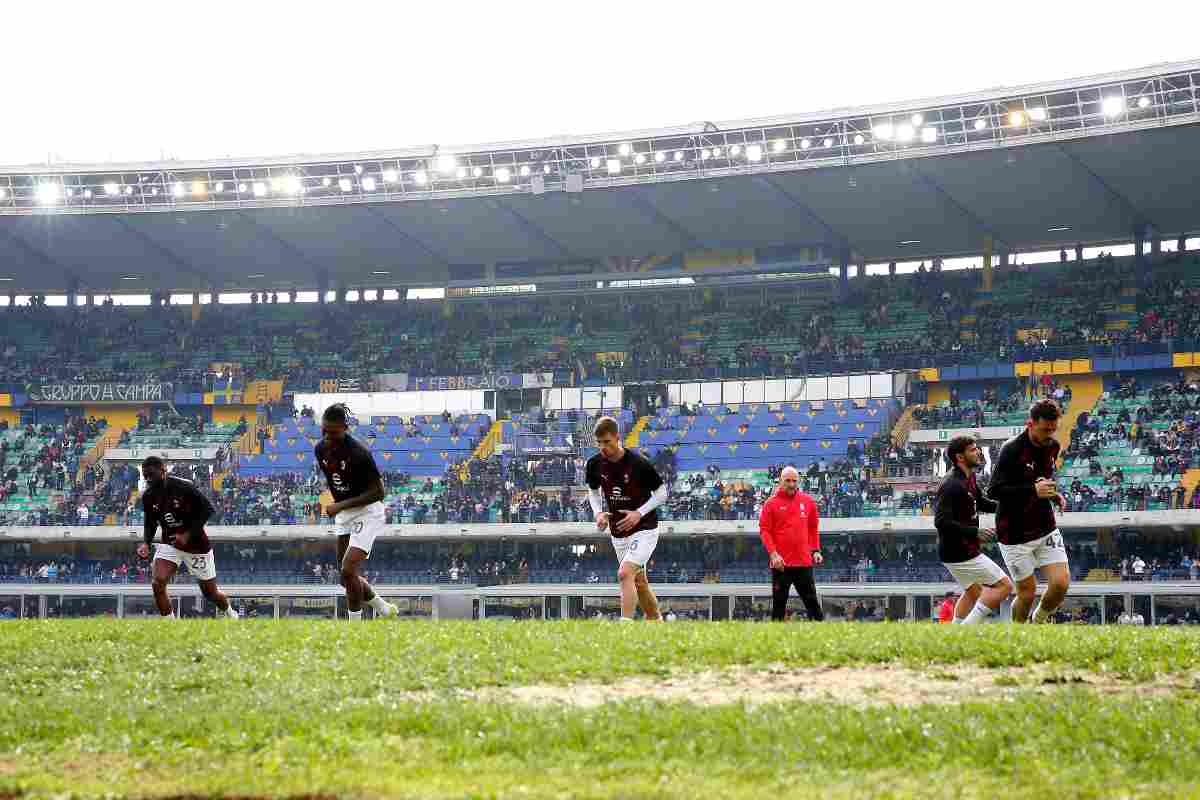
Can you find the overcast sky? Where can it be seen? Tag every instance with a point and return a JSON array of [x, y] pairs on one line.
[[142, 81]]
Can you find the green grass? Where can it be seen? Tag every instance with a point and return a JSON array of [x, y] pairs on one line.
[[148, 708]]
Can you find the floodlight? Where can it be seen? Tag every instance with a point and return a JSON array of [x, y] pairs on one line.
[[640, 158], [478, 171], [916, 120], [1016, 118], [624, 149], [112, 189], [446, 164], [524, 170], [242, 188], [805, 144], [219, 187], [614, 166], [736, 150], [679, 155], [420, 177], [828, 142], [344, 184], [327, 181], [199, 189], [754, 153], [858, 138], [705, 154], [928, 135], [503, 174], [716, 152], [595, 162], [460, 173], [1143, 102], [1037, 114], [260, 189], [905, 132], [884, 131], [177, 189], [779, 145], [368, 184], [660, 157], [980, 124], [389, 175], [358, 169], [1113, 105]]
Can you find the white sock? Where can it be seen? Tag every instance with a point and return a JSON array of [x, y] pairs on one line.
[[377, 603], [1040, 616], [355, 616], [171, 616], [979, 613], [231, 612], [626, 619]]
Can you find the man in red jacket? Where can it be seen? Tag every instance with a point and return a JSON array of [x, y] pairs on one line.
[[788, 526]]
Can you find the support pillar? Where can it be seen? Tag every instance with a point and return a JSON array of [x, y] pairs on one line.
[[844, 270], [1139, 246], [987, 262]]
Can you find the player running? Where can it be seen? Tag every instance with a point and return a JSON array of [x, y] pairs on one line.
[[357, 490], [179, 507], [958, 503], [633, 490], [1023, 485]]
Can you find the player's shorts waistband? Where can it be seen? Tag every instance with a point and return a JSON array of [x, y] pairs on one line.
[[374, 509]]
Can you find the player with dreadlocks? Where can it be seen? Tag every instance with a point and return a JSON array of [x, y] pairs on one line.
[[355, 501]]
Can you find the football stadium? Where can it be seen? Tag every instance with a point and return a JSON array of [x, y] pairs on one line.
[[367, 474]]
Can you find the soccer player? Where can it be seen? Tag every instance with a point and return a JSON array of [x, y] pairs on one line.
[[1023, 486], [958, 503], [634, 490], [356, 487], [789, 526], [179, 507]]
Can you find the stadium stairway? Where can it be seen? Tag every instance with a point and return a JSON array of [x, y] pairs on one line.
[[904, 426], [112, 435], [485, 448], [1189, 481], [635, 433], [1085, 393]]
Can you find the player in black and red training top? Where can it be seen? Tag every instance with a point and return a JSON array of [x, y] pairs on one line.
[[633, 490], [1023, 485], [181, 510], [357, 490], [956, 517]]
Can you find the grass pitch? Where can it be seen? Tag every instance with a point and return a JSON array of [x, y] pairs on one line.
[[132, 708]]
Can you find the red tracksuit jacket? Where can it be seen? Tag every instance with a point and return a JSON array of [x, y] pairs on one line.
[[790, 527]]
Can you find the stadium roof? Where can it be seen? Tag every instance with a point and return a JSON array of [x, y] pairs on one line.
[[1036, 167]]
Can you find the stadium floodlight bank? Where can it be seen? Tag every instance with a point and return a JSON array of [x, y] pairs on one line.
[[1151, 97]]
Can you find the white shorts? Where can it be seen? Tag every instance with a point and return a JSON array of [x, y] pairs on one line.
[[362, 525], [202, 567], [636, 549], [980, 569], [1023, 559]]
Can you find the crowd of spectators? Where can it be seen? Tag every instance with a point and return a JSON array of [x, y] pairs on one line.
[[93, 343]]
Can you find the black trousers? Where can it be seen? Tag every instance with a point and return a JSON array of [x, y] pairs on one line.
[[782, 581]]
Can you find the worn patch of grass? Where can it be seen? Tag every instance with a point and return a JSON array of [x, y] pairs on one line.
[[150, 708]]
